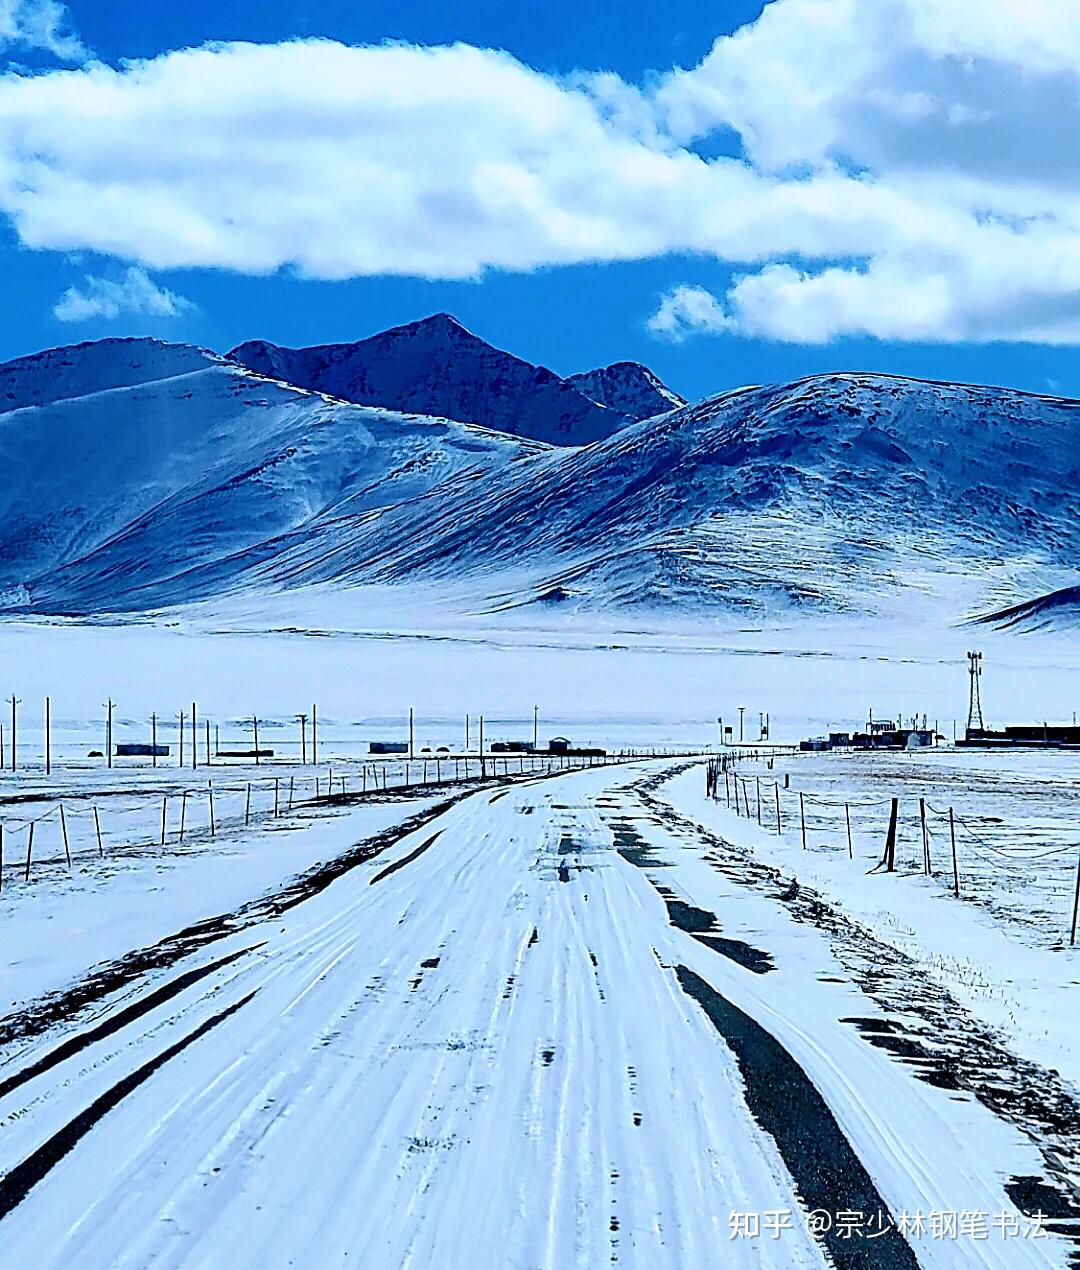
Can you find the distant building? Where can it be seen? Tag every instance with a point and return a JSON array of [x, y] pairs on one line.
[[1026, 736], [884, 734], [558, 745], [138, 749], [388, 747], [512, 747]]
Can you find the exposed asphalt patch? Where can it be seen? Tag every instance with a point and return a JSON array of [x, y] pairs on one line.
[[18, 1182], [1033, 1198], [698, 922], [935, 1068], [632, 846], [703, 925], [407, 859], [115, 1022], [784, 1101]]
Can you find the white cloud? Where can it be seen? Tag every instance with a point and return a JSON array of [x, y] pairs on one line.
[[133, 293], [42, 24], [909, 170], [687, 310]]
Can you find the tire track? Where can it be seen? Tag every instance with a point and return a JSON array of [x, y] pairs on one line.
[[18, 1182]]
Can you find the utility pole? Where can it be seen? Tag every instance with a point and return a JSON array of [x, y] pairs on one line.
[[410, 732], [208, 764], [302, 719], [48, 737], [194, 739], [255, 725], [536, 727], [108, 731], [975, 714], [466, 734], [153, 738], [742, 711], [481, 747], [14, 703], [314, 736], [180, 754]]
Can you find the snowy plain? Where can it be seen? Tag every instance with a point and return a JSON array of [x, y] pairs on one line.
[[595, 1105]]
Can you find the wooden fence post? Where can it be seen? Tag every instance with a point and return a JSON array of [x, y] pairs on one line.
[[955, 869], [802, 817], [925, 837], [97, 826], [63, 830], [776, 791], [1076, 904], [164, 809], [1, 857], [183, 814], [29, 850], [847, 820], [890, 839], [210, 791]]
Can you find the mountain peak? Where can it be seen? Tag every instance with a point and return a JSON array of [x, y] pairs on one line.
[[628, 387], [441, 322], [435, 366]]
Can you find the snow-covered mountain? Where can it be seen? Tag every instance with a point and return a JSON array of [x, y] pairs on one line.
[[1060, 610], [437, 367], [162, 459], [628, 387], [838, 493]]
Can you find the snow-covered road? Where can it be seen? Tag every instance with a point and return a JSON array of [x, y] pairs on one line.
[[539, 1028]]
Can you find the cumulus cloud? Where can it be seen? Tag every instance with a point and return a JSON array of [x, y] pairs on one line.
[[40, 24], [688, 310], [906, 168], [135, 292]]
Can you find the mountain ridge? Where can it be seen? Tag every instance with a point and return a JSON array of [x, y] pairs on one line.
[[835, 493], [437, 367]]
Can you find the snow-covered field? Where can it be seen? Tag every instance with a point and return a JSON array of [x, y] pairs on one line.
[[547, 1024], [1015, 820], [559, 1021]]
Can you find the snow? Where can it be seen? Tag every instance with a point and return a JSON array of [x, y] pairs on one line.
[[1060, 610], [350, 1083], [859, 495], [179, 482], [999, 950], [487, 1033], [437, 367], [628, 387]]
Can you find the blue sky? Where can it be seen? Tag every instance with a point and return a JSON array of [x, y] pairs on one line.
[[887, 227]]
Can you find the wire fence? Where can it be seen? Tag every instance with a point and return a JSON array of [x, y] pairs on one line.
[[983, 858], [88, 826]]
